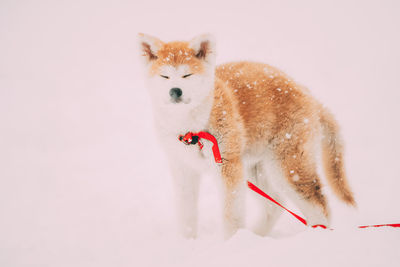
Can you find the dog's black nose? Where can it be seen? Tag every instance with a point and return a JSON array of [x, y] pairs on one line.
[[175, 93]]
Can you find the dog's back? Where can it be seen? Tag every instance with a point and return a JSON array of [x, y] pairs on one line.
[[279, 114]]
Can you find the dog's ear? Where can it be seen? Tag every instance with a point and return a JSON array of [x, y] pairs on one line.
[[204, 47], [149, 47]]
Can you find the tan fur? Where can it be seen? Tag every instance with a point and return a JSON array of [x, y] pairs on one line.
[[276, 111], [175, 54], [332, 156], [227, 126], [256, 105]]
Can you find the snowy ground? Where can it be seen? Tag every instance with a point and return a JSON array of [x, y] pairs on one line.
[[82, 180]]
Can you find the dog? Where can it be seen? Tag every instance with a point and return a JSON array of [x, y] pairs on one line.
[[268, 128]]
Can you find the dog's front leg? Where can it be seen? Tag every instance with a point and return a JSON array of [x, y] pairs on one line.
[[234, 191], [186, 182]]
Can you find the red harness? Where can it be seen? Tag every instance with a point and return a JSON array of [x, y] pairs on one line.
[[195, 138]]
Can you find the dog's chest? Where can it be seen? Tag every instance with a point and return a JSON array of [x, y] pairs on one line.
[[169, 129]]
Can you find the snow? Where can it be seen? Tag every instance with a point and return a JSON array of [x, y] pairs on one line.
[[82, 181]]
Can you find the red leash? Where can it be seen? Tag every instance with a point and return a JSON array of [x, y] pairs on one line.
[[301, 219], [380, 225], [194, 138], [262, 193]]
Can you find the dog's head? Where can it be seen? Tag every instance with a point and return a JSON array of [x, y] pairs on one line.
[[179, 73]]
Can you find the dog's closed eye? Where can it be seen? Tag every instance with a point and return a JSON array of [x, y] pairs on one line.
[[165, 77], [187, 75]]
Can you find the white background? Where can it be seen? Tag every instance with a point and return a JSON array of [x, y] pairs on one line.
[[82, 179]]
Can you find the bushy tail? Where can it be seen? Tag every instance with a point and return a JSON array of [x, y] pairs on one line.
[[332, 157]]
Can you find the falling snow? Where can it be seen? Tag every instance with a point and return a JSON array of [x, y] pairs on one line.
[[70, 232]]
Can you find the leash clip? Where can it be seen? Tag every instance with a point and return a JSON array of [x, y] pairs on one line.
[[194, 138], [190, 139]]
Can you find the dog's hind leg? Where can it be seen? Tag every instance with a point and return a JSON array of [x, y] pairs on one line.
[[304, 188], [268, 212]]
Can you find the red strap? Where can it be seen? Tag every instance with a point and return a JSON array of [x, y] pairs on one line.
[[215, 148], [259, 191], [187, 139], [321, 226], [381, 225]]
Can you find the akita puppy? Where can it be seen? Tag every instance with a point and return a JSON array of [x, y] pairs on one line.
[[267, 127]]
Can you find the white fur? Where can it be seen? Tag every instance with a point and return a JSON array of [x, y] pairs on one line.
[[188, 163], [278, 182], [195, 43], [268, 213], [154, 43], [265, 171], [196, 90]]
